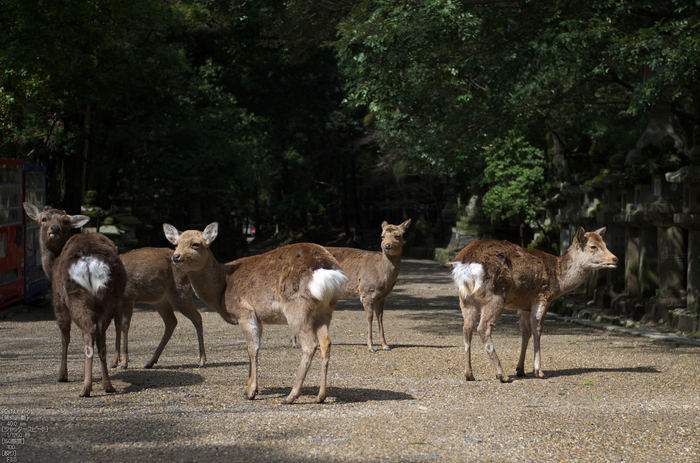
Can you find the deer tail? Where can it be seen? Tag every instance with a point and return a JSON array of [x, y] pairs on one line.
[[469, 277], [326, 285], [91, 273]]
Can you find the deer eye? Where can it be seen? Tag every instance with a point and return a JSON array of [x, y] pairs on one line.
[[594, 248], [195, 245]]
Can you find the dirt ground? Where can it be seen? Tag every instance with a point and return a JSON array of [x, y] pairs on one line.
[[608, 396]]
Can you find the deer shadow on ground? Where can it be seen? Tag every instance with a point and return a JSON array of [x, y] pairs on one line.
[[194, 365], [392, 346], [551, 374], [341, 394], [140, 380]]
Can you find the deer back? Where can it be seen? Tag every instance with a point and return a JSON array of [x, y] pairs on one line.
[[277, 278], [507, 268], [89, 269], [365, 270], [150, 274]]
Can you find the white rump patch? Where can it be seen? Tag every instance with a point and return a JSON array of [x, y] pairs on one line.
[[91, 273], [468, 277], [326, 285]]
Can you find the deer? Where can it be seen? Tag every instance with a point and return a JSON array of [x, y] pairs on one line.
[[372, 275], [152, 278], [87, 279], [492, 276], [297, 284]]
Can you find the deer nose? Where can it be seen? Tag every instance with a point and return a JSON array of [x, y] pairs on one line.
[[55, 229], [387, 247], [616, 260], [176, 258]]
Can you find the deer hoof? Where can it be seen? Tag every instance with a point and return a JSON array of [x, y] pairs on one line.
[[110, 389], [372, 350], [520, 373], [85, 392], [386, 348], [469, 377], [504, 378], [62, 379], [289, 400], [149, 365], [540, 375]]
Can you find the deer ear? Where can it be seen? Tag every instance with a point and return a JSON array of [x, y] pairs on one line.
[[580, 237], [171, 233], [77, 221], [32, 211], [601, 231], [384, 225], [404, 226], [211, 232]]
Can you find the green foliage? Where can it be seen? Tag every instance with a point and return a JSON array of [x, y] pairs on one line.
[[515, 174], [406, 62], [444, 78], [277, 110]]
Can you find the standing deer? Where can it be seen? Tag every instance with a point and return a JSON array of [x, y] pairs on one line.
[[88, 282], [298, 285], [372, 275], [152, 278], [495, 275]]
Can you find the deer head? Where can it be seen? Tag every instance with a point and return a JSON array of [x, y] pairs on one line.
[[54, 225], [392, 238], [591, 251], [191, 247]]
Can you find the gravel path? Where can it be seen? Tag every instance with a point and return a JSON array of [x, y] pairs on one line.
[[608, 397]]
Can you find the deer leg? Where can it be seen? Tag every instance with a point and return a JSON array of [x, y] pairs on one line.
[[165, 310], [325, 346], [537, 320], [369, 311], [526, 332], [88, 338], [470, 313], [252, 330], [308, 341], [121, 349], [101, 341], [64, 325], [189, 310], [489, 316], [379, 310], [117, 346]]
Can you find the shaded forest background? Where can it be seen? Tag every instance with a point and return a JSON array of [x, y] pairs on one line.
[[312, 117]]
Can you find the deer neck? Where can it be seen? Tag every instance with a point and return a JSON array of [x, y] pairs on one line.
[[391, 264], [209, 283], [48, 260], [570, 273]]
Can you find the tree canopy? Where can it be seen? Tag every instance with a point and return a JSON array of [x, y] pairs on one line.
[[306, 114]]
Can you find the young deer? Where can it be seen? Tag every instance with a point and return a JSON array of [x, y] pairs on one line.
[[298, 285], [88, 281], [372, 275], [495, 275], [152, 278]]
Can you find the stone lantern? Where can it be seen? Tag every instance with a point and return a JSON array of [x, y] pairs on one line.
[[688, 178]]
